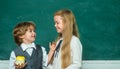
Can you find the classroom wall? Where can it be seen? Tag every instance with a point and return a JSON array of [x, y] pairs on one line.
[[98, 22], [89, 64]]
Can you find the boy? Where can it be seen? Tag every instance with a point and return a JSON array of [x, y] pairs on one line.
[[35, 55]]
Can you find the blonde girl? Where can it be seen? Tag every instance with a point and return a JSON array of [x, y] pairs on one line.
[[69, 53]]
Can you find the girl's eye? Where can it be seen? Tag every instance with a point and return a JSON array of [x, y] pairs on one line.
[[57, 22]]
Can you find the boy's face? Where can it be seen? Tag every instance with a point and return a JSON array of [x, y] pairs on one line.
[[29, 36]]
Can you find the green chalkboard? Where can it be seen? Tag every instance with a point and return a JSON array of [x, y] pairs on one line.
[[98, 23]]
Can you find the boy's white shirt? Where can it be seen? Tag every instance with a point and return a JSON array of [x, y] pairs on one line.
[[24, 47]]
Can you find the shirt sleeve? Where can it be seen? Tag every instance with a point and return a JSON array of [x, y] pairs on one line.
[[45, 58], [76, 54], [12, 60]]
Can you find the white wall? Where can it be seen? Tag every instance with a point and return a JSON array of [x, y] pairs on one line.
[[101, 64], [4, 64], [86, 64]]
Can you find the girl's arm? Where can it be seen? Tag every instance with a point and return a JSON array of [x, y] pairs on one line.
[[76, 54], [51, 52]]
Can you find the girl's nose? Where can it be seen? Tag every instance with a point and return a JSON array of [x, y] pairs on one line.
[[55, 25]]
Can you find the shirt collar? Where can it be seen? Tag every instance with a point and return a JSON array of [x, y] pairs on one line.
[[59, 40], [25, 46]]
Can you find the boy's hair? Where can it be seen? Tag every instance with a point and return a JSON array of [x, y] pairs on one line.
[[20, 29]]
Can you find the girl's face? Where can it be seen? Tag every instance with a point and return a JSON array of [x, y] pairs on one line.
[[29, 36], [58, 23]]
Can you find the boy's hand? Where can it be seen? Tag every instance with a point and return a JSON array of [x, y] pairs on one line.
[[20, 66]]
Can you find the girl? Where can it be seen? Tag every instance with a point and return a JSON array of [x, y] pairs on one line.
[[68, 52]]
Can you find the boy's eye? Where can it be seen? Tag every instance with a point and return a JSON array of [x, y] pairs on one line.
[[31, 30]]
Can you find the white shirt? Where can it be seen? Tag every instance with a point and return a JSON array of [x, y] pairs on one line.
[[29, 51], [76, 56]]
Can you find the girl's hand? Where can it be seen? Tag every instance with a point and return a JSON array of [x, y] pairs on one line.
[[20, 66], [52, 46]]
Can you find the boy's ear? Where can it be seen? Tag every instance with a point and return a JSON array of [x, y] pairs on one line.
[[22, 36]]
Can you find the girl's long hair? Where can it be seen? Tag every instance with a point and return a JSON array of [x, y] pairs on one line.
[[70, 29]]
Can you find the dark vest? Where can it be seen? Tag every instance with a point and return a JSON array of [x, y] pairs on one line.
[[34, 61]]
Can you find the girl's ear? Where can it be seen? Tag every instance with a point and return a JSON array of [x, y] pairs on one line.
[[22, 36]]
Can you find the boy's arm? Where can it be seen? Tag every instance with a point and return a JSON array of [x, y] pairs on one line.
[[45, 58], [12, 64], [12, 60]]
